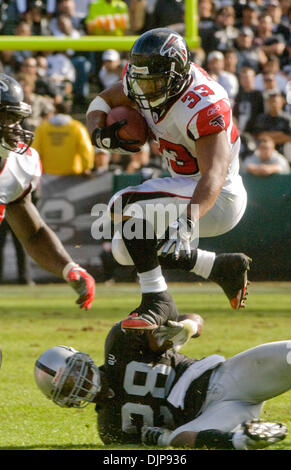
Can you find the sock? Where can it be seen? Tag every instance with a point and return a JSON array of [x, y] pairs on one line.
[[152, 281], [214, 439], [143, 251], [204, 263]]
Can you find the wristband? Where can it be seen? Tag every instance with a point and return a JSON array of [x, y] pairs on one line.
[[68, 268], [98, 104]]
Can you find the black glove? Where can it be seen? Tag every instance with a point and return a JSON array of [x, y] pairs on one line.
[[107, 138]]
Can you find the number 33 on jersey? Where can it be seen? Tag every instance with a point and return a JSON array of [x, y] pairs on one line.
[[203, 109]]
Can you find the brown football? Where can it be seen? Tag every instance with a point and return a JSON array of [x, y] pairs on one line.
[[135, 129]]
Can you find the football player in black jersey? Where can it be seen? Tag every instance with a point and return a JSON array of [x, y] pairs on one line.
[[148, 392]]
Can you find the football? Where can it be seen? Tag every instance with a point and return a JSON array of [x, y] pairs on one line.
[[135, 129]]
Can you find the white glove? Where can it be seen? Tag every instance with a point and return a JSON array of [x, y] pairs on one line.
[[151, 435], [185, 233], [178, 333]]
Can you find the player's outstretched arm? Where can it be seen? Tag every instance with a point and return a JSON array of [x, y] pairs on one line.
[[42, 244]]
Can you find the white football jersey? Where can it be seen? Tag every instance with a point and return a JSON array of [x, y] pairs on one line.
[[203, 109], [19, 175]]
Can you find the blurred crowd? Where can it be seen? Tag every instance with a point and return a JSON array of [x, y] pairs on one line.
[[245, 46]]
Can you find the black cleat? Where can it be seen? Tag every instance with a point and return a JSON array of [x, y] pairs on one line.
[[155, 310], [260, 434], [230, 273]]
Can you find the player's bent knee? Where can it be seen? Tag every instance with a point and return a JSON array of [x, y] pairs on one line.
[[120, 253], [184, 439]]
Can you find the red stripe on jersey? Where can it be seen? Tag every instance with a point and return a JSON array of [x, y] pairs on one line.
[[2, 212], [234, 134], [213, 119], [28, 151], [124, 70]]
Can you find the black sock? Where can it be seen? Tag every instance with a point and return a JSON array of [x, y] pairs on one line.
[[183, 262], [143, 251], [214, 439]]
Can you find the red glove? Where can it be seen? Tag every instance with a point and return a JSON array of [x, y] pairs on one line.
[[82, 283]]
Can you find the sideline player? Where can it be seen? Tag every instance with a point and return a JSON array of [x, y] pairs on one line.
[[146, 393], [189, 115], [20, 173]]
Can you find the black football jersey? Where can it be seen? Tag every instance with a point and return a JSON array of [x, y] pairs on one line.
[[141, 381]]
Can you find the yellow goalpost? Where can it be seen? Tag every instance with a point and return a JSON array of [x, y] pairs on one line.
[[97, 43]]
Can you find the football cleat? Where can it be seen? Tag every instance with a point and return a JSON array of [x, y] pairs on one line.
[[230, 273], [260, 434], [154, 436], [137, 322], [155, 310]]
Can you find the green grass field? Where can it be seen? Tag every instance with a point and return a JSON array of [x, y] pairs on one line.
[[33, 319]]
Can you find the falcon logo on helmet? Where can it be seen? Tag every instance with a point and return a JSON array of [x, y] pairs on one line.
[[174, 46], [158, 69]]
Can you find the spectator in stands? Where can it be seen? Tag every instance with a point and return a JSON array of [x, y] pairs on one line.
[[215, 67], [266, 160], [63, 72], [269, 81], [35, 14], [44, 84], [41, 106], [272, 66], [68, 8], [224, 32], [170, 13], [206, 14], [249, 102], [111, 68], [64, 144], [102, 160], [107, 17], [137, 15], [64, 27], [142, 15], [231, 61], [8, 62], [275, 122], [286, 61], [247, 53], [274, 9], [23, 28], [286, 12], [249, 16], [271, 43], [11, 16]]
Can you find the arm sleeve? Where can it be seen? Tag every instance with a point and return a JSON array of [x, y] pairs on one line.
[[210, 120]]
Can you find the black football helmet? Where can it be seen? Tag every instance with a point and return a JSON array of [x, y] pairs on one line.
[[158, 68], [12, 112]]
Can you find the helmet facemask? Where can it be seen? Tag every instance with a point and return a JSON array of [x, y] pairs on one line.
[[152, 91], [77, 384]]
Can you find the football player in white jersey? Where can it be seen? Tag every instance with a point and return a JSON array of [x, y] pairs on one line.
[[189, 115], [20, 173]]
